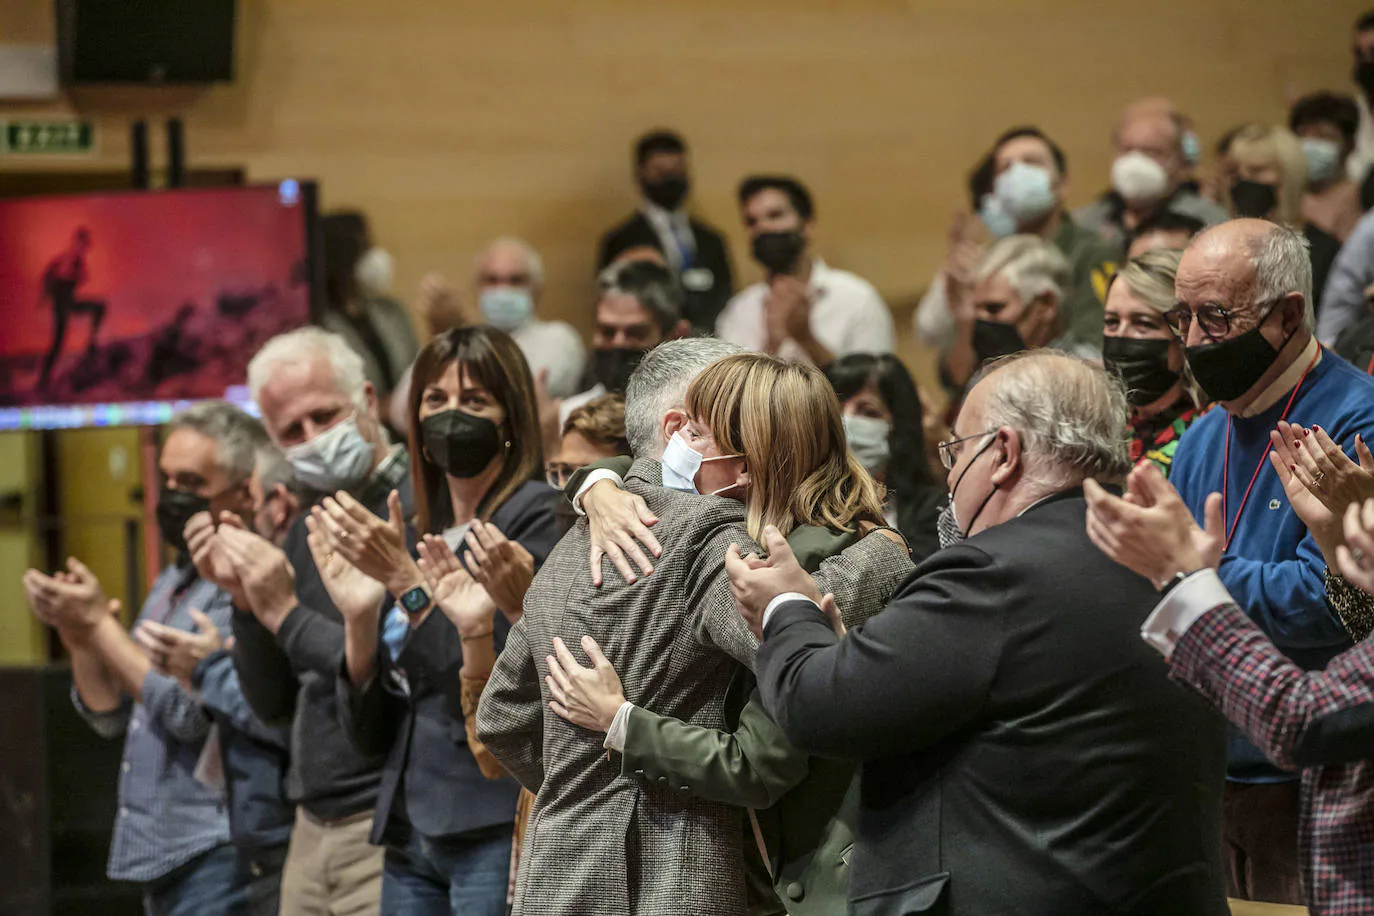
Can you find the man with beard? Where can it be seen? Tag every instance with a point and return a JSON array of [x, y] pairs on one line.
[[803, 309], [694, 251]]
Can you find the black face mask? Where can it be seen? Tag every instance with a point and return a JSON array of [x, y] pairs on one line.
[[1253, 198], [459, 442], [174, 510], [992, 339], [1143, 365], [778, 251], [667, 193], [1364, 75], [1229, 368], [613, 367]]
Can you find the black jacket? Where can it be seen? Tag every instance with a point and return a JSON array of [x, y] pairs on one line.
[[412, 712], [290, 677], [707, 285], [1024, 751]]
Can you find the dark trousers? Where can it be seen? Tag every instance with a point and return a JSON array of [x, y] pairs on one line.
[[463, 876], [226, 881], [1259, 842]]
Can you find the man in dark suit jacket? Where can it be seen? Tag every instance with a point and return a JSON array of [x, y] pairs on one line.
[[1021, 753], [694, 251]]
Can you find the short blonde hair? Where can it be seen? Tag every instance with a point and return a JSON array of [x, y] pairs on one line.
[[1272, 144], [601, 422], [784, 418]]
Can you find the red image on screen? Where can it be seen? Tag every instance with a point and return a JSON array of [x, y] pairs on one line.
[[146, 296]]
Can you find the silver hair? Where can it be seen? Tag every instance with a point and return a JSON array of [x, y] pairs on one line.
[[1070, 412], [236, 435], [533, 262], [1282, 263], [296, 347], [659, 384], [1033, 266], [652, 286], [273, 469]]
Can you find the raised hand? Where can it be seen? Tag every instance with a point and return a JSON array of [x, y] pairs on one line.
[[502, 567], [1355, 557], [357, 595], [209, 558], [588, 697], [376, 546], [460, 598], [175, 652], [269, 582], [618, 523]]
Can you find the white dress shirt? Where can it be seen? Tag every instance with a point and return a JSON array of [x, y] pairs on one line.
[[1181, 608], [847, 316]]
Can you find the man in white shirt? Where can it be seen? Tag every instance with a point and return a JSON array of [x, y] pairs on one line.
[[803, 309]]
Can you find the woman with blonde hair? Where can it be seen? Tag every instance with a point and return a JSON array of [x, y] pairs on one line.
[[1140, 347], [768, 433], [1269, 183]]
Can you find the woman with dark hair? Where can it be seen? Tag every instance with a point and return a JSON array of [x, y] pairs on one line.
[[444, 812], [883, 423]]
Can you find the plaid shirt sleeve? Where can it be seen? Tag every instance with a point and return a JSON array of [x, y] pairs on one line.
[[1298, 718]]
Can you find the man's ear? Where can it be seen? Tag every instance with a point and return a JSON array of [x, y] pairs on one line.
[[1009, 467], [1294, 312], [674, 419]]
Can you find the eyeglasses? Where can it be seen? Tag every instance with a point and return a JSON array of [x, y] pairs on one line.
[[947, 454], [557, 473], [1215, 320]]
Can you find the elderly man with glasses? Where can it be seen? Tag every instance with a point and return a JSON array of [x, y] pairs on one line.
[[1244, 316]]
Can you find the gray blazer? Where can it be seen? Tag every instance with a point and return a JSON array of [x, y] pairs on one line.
[[598, 842]]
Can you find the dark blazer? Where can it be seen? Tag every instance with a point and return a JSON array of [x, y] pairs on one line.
[[706, 291], [1024, 750], [413, 712]]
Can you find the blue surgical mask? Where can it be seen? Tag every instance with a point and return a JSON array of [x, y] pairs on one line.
[[1323, 158], [337, 459], [681, 463], [1192, 148], [506, 307], [1027, 192], [869, 439], [994, 215]]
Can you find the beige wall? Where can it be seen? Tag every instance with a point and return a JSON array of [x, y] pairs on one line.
[[451, 122]]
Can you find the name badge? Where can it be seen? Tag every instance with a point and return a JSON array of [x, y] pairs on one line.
[[698, 279]]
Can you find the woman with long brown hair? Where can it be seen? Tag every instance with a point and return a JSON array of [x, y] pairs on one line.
[[769, 433], [478, 470]]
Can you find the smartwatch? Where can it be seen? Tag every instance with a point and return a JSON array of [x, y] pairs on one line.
[[415, 599]]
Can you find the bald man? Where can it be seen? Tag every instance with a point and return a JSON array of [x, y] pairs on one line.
[[1155, 153], [1244, 315]]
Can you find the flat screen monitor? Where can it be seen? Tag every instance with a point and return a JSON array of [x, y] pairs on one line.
[[121, 308]]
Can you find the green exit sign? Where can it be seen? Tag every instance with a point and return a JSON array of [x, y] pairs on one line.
[[47, 138]]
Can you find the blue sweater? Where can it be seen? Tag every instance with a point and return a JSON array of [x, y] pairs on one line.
[[1272, 566]]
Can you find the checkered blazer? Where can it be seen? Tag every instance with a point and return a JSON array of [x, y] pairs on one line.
[[1322, 721], [598, 842]]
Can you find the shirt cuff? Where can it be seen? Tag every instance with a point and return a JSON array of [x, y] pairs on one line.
[[1181, 608], [593, 478], [620, 726], [780, 601]]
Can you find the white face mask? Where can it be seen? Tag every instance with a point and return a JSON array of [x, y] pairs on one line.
[[870, 440], [374, 271], [1026, 190], [681, 463], [1138, 178], [336, 459], [506, 307]]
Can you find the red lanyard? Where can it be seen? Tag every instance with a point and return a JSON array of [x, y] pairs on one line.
[[1226, 468]]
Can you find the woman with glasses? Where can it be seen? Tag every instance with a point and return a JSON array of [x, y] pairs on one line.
[[1140, 346], [594, 431], [413, 676]]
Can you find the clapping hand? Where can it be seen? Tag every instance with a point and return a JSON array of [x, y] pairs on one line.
[[269, 582], [1320, 480], [787, 310], [175, 652], [376, 546], [588, 697], [756, 582], [1149, 530], [72, 601], [209, 558], [356, 594], [459, 596], [1355, 557], [502, 566]]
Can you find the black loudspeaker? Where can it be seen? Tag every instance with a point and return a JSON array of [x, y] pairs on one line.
[[145, 41]]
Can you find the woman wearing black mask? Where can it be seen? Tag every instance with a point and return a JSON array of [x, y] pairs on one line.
[[1139, 347], [478, 469], [1269, 182]]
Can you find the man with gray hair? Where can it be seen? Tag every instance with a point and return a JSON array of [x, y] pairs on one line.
[[1022, 750], [172, 834], [1244, 315], [605, 843], [1020, 285], [320, 409]]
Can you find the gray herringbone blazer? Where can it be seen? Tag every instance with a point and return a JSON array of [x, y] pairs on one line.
[[598, 842]]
